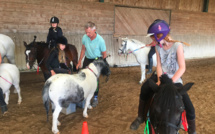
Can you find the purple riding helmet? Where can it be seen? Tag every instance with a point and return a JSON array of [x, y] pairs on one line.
[[158, 27]]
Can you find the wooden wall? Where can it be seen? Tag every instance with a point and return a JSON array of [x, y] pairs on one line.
[[22, 19], [135, 21]]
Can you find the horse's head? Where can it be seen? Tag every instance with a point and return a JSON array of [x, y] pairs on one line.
[[123, 48], [30, 53], [102, 64], [167, 106]]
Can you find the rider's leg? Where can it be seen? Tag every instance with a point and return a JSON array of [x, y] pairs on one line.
[[190, 114], [2, 102], [145, 96], [140, 118], [151, 53], [190, 111]]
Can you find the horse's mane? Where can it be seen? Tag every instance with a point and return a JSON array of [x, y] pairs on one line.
[[137, 42], [166, 96], [41, 43]]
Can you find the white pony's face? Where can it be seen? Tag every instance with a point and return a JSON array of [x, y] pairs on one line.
[[122, 49]]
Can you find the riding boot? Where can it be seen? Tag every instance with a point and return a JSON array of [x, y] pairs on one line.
[[191, 126], [150, 66], [2, 102], [140, 118]]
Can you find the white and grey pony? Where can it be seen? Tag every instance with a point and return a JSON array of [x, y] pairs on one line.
[[62, 89], [7, 48], [140, 52], [9, 75]]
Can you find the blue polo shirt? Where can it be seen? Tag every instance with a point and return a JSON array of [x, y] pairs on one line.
[[95, 47]]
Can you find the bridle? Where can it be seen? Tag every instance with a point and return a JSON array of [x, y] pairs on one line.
[[168, 124], [124, 48], [34, 55]]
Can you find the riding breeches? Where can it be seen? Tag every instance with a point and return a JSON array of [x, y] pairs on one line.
[[151, 52], [147, 93]]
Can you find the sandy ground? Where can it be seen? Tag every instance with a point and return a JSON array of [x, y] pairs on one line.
[[118, 102]]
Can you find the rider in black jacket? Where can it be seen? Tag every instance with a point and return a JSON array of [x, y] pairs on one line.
[[54, 32], [56, 62]]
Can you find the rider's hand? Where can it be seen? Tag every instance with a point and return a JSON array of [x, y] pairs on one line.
[[158, 83], [53, 72], [77, 66]]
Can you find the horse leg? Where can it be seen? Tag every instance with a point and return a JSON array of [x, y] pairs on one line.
[[87, 105], [55, 119], [7, 94], [53, 108], [142, 67], [19, 94]]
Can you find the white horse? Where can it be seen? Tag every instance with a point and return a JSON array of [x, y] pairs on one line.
[[140, 52], [7, 48], [9, 75], [62, 89]]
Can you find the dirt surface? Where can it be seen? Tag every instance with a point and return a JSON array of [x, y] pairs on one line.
[[118, 102]]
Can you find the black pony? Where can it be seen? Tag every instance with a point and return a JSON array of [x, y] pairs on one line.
[[40, 51], [167, 106]]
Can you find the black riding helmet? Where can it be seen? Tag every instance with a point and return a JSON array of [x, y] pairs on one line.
[[62, 40], [54, 20]]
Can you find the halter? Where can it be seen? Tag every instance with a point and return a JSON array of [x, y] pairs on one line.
[[167, 124], [92, 71], [123, 49]]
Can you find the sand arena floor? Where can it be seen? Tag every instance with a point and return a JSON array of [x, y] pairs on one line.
[[118, 102]]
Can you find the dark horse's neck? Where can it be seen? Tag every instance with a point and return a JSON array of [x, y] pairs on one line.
[[42, 54]]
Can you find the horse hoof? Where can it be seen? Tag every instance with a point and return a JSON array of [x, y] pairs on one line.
[[90, 107], [140, 82], [5, 113], [86, 116]]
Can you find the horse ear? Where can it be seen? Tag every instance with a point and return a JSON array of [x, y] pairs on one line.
[[25, 44], [153, 85], [185, 88]]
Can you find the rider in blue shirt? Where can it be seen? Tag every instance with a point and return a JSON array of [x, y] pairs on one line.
[[93, 47]]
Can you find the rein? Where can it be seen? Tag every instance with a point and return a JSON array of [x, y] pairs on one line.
[[6, 80]]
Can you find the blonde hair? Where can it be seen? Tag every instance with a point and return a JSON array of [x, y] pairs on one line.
[[168, 39], [62, 56]]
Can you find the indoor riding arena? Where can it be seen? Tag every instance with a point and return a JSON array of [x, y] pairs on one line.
[[190, 21]]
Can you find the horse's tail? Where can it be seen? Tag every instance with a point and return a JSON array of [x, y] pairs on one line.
[[46, 98]]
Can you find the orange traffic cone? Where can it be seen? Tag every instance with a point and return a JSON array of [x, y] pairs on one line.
[[85, 128], [38, 69]]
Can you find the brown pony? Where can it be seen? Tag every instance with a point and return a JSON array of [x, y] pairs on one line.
[[40, 51]]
